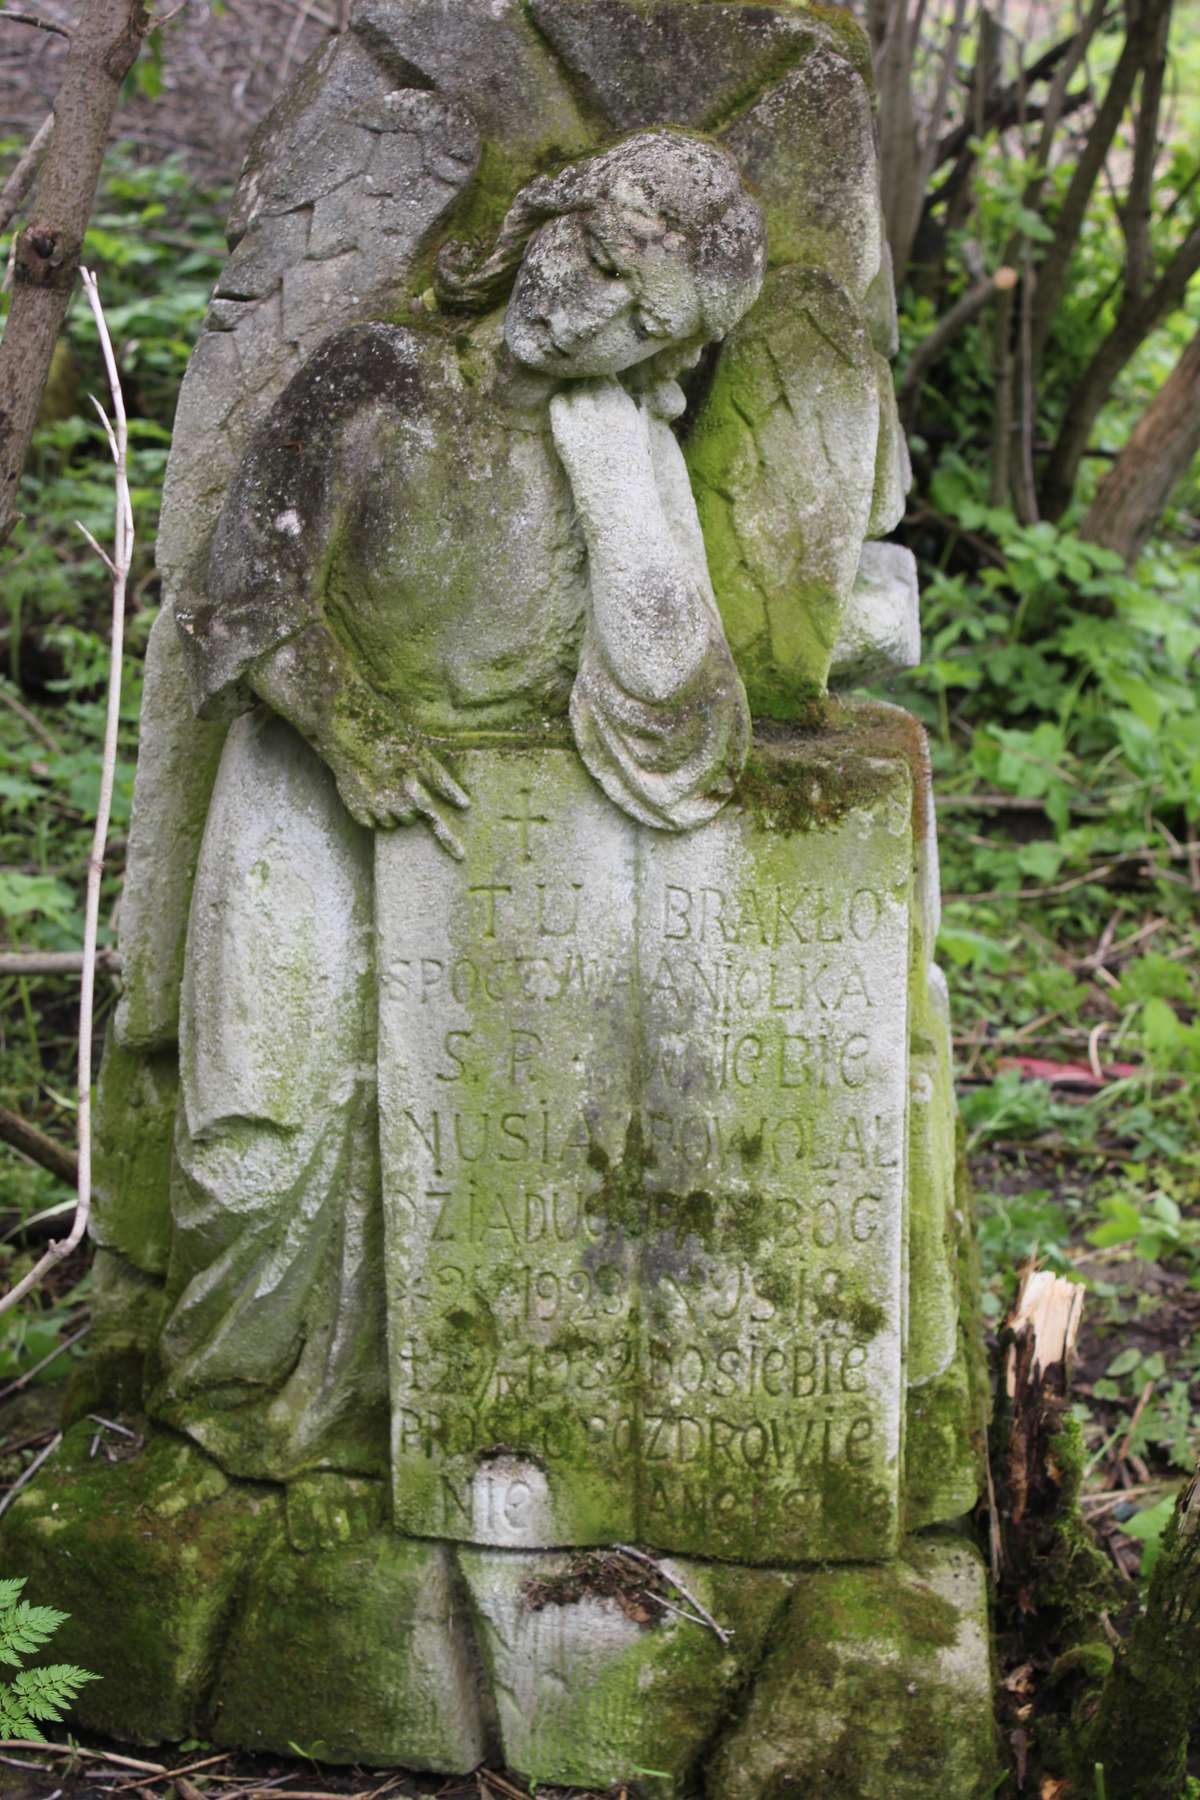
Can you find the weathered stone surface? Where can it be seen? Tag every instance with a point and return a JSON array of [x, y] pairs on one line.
[[893, 469], [586, 1695], [808, 145], [881, 629], [126, 1320], [176, 769], [145, 1554], [877, 1685], [362, 1645], [271, 1354], [946, 1438], [680, 1284], [782, 458], [933, 1227], [489, 57], [136, 1100], [564, 1133], [641, 65], [507, 1020]]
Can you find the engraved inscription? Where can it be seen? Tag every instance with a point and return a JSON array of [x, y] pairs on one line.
[[643, 1122]]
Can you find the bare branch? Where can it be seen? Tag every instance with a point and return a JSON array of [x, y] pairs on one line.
[[43, 1150], [34, 19], [1140, 39], [1135, 214], [21, 179], [55, 962], [27, 1475], [947, 329], [105, 41]]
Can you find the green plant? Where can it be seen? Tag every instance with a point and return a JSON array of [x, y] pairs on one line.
[[33, 1695]]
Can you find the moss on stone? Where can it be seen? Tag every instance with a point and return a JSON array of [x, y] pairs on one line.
[[354, 1649], [876, 1685], [126, 1317], [145, 1554], [136, 1100], [825, 764]]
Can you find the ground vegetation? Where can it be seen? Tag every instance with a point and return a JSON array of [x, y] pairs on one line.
[[1044, 208]]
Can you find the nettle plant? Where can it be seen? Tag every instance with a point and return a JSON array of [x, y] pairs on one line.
[[33, 1695]]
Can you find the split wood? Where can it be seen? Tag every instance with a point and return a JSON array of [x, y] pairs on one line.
[[1043, 1327]]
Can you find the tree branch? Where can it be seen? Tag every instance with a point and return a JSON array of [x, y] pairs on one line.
[[39, 1148], [1135, 321], [21, 179], [946, 330], [1130, 500], [104, 43], [1140, 38], [1136, 213], [39, 24]]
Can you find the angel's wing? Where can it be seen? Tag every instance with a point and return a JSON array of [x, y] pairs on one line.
[[796, 454]]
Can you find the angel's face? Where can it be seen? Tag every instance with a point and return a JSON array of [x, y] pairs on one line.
[[602, 290]]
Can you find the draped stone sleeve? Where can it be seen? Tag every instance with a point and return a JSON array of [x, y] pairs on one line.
[[658, 710], [275, 528]]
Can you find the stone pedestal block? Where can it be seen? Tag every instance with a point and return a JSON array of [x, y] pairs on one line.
[[229, 1611], [643, 1104], [146, 1554]]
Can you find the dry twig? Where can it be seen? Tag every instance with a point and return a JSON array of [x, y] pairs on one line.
[[706, 1617], [28, 1474], [118, 565]]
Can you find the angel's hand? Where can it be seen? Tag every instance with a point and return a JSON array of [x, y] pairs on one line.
[[399, 785], [600, 435]]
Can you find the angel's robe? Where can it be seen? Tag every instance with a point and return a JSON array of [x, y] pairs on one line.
[[405, 492]]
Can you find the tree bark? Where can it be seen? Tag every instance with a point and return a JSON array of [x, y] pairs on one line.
[[1152, 1696], [1135, 321], [1130, 500], [104, 44]]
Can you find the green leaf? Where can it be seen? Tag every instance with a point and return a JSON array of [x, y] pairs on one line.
[[47, 1693], [1123, 1221], [1124, 1363], [25, 1628], [1148, 1527]]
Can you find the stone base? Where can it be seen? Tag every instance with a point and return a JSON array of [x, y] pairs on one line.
[[264, 1618]]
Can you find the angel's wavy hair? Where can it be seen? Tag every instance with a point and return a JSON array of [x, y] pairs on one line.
[[687, 181]]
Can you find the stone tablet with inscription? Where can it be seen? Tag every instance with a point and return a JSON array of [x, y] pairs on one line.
[[642, 1115]]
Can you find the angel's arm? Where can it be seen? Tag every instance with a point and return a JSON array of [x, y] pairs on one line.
[[262, 631], [658, 710]]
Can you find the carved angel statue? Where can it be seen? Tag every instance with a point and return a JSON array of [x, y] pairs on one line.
[[482, 523], [438, 533]]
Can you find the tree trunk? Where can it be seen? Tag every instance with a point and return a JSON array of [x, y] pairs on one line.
[[104, 43], [1135, 321], [1152, 1696], [1130, 500]]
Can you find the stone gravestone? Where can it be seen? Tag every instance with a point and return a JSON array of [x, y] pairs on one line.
[[529, 1242]]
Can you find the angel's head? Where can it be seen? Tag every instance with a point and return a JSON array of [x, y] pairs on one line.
[[651, 247]]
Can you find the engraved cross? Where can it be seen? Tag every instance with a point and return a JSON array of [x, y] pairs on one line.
[[524, 819]]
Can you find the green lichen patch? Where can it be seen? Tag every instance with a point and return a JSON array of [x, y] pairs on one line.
[[358, 1650], [876, 1686], [136, 1099], [589, 1693], [146, 1555]]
